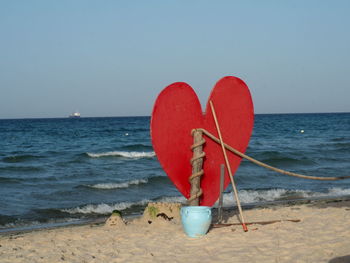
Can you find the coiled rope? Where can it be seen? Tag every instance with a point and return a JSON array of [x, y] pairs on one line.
[[231, 149], [197, 167]]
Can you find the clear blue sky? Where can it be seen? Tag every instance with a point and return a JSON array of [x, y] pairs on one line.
[[112, 58]]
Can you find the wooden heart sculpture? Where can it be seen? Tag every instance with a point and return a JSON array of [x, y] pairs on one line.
[[177, 111]]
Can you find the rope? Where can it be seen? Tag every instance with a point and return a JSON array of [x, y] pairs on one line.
[[197, 157], [228, 147], [197, 195], [200, 143], [194, 175]]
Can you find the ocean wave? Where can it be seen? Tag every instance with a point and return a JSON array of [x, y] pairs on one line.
[[21, 169], [9, 180], [132, 155], [246, 197], [20, 158], [5, 219], [336, 191], [109, 186], [270, 195], [287, 161], [137, 147], [133, 130], [103, 209], [173, 199], [337, 145], [342, 145], [340, 139]]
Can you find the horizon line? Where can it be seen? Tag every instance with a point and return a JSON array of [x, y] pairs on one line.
[[138, 116]]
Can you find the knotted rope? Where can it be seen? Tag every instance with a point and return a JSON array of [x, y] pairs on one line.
[[231, 149]]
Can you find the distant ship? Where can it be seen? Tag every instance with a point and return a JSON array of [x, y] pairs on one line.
[[75, 115]]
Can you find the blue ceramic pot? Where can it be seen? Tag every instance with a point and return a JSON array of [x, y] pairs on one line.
[[196, 220]]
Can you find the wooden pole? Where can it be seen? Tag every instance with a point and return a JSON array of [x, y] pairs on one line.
[[222, 179], [228, 167], [197, 168]]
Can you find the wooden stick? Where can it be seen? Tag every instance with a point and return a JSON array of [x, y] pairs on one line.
[[222, 179], [228, 167]]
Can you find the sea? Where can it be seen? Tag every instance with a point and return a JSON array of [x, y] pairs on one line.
[[67, 171]]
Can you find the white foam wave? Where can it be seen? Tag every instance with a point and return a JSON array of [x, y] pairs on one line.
[[103, 209], [123, 154], [336, 191], [108, 186], [246, 197], [257, 196], [173, 199], [332, 192]]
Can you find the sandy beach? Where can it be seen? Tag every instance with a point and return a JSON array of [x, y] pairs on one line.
[[321, 235]]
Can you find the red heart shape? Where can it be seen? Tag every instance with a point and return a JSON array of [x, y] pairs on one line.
[[177, 111]]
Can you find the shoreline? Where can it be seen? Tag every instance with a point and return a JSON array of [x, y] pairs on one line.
[[229, 211]]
